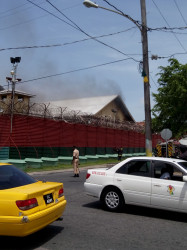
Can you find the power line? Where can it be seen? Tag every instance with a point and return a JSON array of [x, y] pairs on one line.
[[180, 12], [81, 30], [10, 10], [168, 25], [165, 29], [148, 28], [125, 15], [15, 12], [170, 56], [3, 12], [57, 45], [67, 43], [75, 25], [72, 71], [33, 19], [14, 25], [170, 29], [51, 13], [153, 81], [76, 70], [11, 26]]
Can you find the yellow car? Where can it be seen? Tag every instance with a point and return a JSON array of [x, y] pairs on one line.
[[27, 205]]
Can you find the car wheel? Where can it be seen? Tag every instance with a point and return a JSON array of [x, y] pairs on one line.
[[112, 199]]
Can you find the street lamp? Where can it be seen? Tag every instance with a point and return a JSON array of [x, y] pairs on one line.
[[90, 4], [145, 70]]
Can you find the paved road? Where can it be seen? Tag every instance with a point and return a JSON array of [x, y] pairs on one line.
[[86, 226]]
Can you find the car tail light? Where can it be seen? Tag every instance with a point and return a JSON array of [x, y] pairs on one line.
[[61, 192], [27, 204], [87, 175]]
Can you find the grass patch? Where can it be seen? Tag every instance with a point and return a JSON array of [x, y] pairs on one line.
[[69, 166]]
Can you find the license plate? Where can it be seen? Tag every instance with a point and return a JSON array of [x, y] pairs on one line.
[[48, 198]]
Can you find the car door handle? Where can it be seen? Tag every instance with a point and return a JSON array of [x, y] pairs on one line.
[[157, 185], [119, 179]]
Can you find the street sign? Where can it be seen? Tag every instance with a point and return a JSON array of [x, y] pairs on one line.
[[166, 134]]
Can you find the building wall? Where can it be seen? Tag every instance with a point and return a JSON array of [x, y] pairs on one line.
[[21, 103], [37, 137], [110, 109]]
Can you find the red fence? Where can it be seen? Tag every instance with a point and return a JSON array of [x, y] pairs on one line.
[[31, 131]]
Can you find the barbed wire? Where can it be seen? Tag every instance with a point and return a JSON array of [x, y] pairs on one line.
[[46, 110]]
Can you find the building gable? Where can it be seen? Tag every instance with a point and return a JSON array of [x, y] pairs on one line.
[[111, 106]]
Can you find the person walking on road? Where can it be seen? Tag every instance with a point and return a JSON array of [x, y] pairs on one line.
[[75, 161]]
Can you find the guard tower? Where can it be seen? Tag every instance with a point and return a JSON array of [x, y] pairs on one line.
[[21, 101]]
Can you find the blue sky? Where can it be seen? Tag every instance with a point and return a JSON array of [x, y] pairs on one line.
[[85, 67]]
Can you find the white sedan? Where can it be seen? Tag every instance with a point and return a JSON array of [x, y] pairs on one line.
[[144, 181]]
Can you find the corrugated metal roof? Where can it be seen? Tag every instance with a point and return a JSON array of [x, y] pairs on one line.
[[92, 105], [88, 105]]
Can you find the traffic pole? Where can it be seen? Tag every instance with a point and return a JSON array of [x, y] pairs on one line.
[[145, 74]]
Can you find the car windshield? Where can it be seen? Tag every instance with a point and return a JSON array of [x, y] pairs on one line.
[[183, 164], [11, 177]]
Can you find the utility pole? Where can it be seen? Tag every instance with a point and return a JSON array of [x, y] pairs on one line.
[[145, 74], [13, 73], [15, 62]]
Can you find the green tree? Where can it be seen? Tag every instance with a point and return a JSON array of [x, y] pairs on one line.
[[170, 110]]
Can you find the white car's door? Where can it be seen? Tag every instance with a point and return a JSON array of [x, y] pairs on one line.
[[134, 179], [168, 193]]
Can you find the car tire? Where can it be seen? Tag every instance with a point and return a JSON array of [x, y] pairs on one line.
[[112, 199]]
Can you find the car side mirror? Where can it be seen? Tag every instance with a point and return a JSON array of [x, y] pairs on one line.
[[185, 178]]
